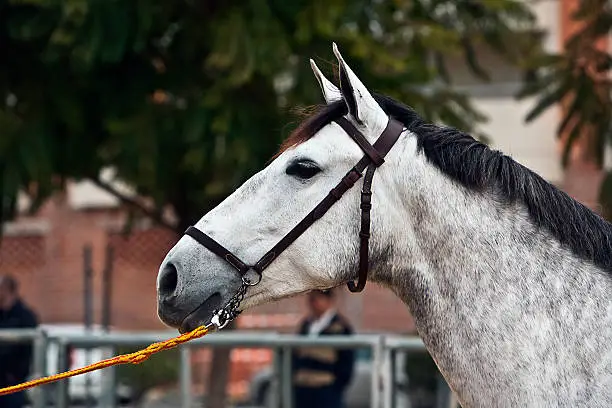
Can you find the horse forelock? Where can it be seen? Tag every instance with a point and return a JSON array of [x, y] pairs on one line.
[[484, 170]]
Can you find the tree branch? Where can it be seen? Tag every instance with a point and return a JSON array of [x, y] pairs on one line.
[[153, 214]]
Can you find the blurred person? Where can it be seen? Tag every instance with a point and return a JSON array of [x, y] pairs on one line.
[[15, 358], [321, 374]]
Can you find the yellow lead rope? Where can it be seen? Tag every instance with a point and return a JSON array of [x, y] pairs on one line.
[[132, 358]]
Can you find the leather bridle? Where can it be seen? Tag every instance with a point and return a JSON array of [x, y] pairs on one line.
[[372, 159]]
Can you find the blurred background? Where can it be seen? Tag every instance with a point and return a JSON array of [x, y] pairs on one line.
[[124, 121]]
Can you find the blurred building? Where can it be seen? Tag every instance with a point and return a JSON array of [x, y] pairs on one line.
[[534, 145], [46, 251]]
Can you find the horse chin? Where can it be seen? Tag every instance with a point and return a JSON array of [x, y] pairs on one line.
[[267, 294], [202, 315]]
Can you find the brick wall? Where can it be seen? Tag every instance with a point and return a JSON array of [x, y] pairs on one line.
[[137, 260], [45, 253], [48, 262], [21, 255]]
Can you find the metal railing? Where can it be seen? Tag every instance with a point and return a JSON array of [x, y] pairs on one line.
[[384, 348]]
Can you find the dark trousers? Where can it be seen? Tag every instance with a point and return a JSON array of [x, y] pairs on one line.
[[16, 400], [322, 397]]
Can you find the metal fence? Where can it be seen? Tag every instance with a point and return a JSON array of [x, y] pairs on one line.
[[384, 349]]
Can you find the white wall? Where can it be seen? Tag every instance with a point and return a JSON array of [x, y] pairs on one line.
[[534, 145], [86, 195], [548, 13]]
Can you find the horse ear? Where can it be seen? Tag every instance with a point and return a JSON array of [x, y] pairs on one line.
[[330, 92], [360, 103]]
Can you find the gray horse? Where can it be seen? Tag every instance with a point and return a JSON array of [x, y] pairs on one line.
[[508, 279]]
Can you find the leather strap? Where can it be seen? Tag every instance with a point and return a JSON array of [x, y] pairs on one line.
[[373, 158], [388, 137], [360, 139], [364, 234], [218, 249], [332, 197]]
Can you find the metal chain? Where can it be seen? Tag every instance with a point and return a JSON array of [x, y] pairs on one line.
[[230, 311]]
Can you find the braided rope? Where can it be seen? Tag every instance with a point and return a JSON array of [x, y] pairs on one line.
[[132, 358]]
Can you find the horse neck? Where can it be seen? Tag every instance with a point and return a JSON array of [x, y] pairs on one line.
[[490, 292]]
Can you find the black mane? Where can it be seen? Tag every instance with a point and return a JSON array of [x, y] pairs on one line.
[[476, 166]]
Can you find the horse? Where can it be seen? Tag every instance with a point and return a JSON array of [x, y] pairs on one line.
[[509, 279]]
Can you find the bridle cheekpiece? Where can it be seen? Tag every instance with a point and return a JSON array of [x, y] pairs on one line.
[[372, 159]]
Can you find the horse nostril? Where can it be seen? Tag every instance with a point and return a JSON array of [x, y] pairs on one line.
[[168, 280]]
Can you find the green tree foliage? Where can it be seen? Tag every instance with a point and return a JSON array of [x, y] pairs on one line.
[[578, 79], [186, 99]]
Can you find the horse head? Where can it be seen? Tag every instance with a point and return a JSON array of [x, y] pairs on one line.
[[209, 265]]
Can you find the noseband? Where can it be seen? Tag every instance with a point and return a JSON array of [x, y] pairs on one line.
[[372, 159]]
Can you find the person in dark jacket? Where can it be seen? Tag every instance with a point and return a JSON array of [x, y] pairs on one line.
[[15, 358], [322, 374]]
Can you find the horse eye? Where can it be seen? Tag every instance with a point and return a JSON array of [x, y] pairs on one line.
[[303, 169]]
